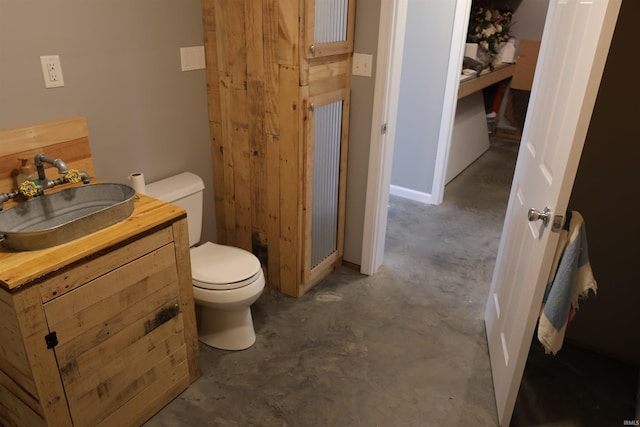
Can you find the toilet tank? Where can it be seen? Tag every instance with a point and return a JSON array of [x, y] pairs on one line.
[[184, 190]]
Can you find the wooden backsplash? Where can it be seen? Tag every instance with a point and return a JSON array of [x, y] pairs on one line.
[[66, 139]]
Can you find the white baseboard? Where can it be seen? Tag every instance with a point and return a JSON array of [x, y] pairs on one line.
[[417, 196]]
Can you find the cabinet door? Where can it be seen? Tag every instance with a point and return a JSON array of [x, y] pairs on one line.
[[120, 341], [328, 27], [326, 131]]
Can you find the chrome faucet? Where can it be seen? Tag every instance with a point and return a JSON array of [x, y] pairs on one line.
[[40, 160]]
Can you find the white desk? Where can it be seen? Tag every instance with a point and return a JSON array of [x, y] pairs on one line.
[[470, 136]]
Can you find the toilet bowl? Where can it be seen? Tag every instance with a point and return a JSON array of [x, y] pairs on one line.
[[226, 280]]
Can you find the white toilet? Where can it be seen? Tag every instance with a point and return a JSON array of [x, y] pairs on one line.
[[226, 280]]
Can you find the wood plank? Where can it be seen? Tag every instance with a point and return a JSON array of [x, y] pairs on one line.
[[258, 180], [187, 303], [344, 158], [225, 83], [109, 282], [329, 85], [239, 115], [273, 211], [215, 98], [41, 135], [41, 359], [226, 98], [308, 155], [97, 378], [219, 185], [211, 58], [307, 28], [132, 382], [254, 31], [141, 407], [288, 52], [12, 417], [329, 68], [144, 314], [20, 412], [77, 366], [256, 134], [271, 40], [236, 60], [290, 182], [242, 201], [93, 304], [273, 21], [13, 355], [94, 268], [20, 393], [322, 270], [501, 72]]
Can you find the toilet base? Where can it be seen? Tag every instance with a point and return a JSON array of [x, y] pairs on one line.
[[226, 330]]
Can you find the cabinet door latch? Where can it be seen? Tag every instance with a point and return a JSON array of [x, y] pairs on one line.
[[51, 339]]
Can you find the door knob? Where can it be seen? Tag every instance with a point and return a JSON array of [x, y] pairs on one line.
[[536, 215]]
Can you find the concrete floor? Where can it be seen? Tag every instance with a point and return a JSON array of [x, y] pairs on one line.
[[405, 347]]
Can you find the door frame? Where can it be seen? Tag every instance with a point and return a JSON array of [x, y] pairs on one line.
[[385, 109]]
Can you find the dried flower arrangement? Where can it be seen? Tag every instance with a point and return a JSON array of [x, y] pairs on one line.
[[489, 27]]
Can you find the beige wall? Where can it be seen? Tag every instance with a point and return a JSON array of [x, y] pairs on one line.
[[360, 116], [606, 194], [121, 67]]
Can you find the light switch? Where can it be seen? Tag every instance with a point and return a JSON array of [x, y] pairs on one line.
[[362, 64], [192, 58]]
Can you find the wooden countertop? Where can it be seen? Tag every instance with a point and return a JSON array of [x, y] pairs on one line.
[[487, 78], [19, 269]]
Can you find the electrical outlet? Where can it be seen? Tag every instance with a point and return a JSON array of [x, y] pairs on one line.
[[52, 71]]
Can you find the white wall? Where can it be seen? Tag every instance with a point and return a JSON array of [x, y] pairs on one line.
[[528, 18], [121, 65], [422, 84]]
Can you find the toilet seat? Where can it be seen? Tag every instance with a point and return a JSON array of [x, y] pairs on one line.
[[220, 267]]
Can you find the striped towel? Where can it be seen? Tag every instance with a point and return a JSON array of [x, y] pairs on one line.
[[571, 279]]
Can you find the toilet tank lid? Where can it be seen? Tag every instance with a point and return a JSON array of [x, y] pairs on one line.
[[175, 187]]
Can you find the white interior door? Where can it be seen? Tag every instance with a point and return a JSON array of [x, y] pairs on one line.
[[575, 43]]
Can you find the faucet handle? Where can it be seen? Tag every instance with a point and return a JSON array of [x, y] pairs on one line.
[[73, 176], [29, 189]]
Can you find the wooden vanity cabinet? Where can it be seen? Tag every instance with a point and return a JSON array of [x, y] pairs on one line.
[[278, 79], [105, 341]]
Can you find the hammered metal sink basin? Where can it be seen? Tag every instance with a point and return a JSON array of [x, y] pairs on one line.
[[57, 218]]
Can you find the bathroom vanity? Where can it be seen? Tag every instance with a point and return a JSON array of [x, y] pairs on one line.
[[100, 330]]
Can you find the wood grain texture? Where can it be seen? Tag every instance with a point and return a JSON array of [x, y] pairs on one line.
[[187, 303], [120, 301], [21, 269], [503, 71], [41, 135], [44, 368], [257, 77], [65, 139]]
